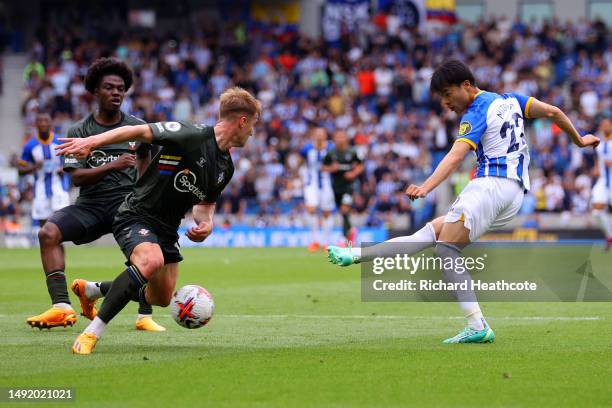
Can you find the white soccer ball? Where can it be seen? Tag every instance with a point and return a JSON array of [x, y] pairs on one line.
[[192, 306]]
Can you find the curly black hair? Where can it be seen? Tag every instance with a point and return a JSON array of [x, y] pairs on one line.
[[107, 66]]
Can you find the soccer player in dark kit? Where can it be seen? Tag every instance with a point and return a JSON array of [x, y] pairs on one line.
[[345, 167], [104, 178], [190, 172]]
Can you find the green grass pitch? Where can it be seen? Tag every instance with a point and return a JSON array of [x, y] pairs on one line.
[[290, 330]]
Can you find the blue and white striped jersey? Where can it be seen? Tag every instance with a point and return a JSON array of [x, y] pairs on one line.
[[47, 180], [604, 153], [494, 127], [314, 160]]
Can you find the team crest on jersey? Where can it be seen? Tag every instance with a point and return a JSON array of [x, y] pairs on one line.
[[172, 126], [201, 162], [185, 182], [132, 145], [465, 128], [220, 178]]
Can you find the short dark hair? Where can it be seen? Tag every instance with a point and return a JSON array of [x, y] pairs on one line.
[[107, 66], [450, 72]]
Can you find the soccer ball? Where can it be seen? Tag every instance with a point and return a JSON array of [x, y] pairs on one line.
[[192, 306]]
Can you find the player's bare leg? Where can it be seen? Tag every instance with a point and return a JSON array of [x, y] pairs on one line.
[[327, 224], [161, 286], [312, 221], [52, 254], [600, 211], [146, 259]]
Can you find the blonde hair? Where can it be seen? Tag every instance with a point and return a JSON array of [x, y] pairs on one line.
[[237, 100]]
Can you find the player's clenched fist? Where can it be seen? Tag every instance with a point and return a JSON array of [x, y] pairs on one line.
[[77, 147], [589, 140], [200, 232], [124, 161], [413, 192]]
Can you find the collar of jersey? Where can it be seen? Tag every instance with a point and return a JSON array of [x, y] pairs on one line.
[[476, 97], [45, 142]]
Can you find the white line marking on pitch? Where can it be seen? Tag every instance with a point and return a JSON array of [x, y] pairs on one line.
[[392, 317], [388, 317]]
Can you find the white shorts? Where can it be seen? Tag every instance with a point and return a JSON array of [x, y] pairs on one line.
[[43, 207], [486, 203], [601, 193], [322, 198]]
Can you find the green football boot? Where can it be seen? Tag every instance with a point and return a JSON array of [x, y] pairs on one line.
[[469, 335], [342, 256]]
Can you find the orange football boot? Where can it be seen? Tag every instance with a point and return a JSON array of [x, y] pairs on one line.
[[88, 306], [84, 343], [54, 317]]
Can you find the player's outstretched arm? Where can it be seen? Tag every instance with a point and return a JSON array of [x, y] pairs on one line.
[[203, 216], [539, 109], [449, 164], [81, 147]]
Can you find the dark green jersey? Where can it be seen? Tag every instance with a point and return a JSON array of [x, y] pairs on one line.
[[189, 169], [115, 183], [347, 160]]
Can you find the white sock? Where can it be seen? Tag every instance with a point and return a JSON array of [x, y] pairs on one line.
[[411, 244], [62, 305], [313, 222], [97, 327], [473, 314], [140, 316], [604, 222], [328, 226], [466, 298], [92, 290]]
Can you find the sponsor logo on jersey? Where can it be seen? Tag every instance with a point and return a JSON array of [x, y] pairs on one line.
[[160, 128], [185, 182], [167, 164], [144, 232], [172, 126], [99, 158], [70, 160], [465, 128]]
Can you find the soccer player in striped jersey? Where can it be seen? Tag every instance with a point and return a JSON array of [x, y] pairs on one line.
[[492, 126], [318, 193], [602, 190], [38, 158]]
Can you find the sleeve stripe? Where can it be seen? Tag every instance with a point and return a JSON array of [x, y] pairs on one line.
[[468, 141], [527, 105]]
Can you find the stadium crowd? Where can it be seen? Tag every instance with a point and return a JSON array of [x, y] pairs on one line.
[[374, 83]]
